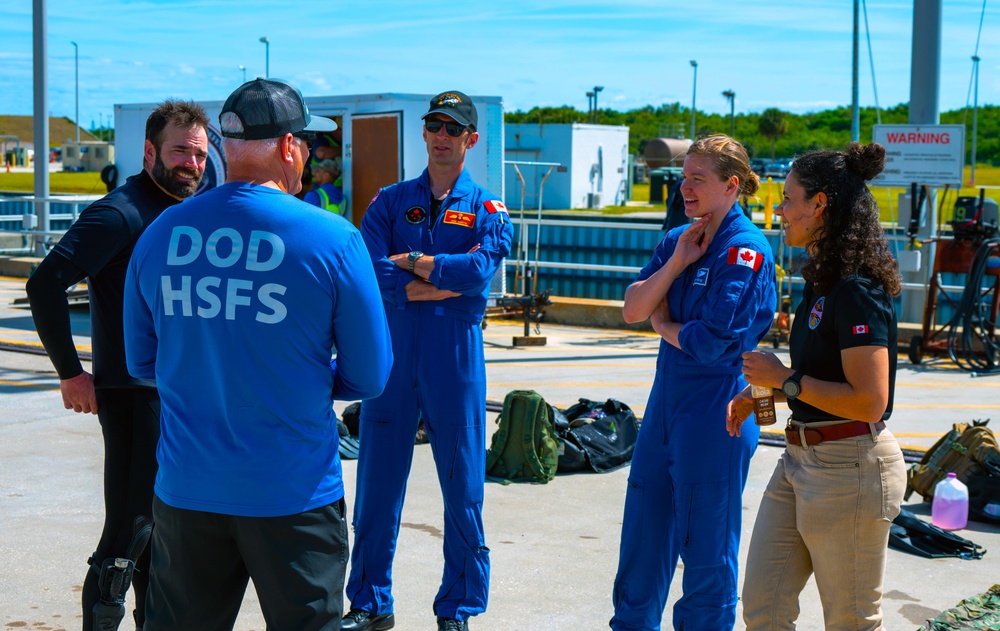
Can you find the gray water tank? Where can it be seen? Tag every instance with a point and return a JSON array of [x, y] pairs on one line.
[[665, 152]]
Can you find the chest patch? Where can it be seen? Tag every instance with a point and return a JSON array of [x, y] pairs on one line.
[[816, 313], [415, 214], [701, 277], [458, 218]]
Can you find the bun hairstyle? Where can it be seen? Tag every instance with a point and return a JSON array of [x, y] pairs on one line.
[[729, 158], [866, 161], [851, 239]]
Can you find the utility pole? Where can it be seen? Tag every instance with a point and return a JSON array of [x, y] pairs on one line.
[[975, 115], [597, 88], [76, 74], [729, 94], [267, 57], [855, 111], [694, 94]]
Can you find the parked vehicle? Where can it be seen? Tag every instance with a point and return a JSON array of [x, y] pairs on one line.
[[778, 168], [758, 165]]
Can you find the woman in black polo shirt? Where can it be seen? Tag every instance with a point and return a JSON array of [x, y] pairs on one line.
[[838, 485]]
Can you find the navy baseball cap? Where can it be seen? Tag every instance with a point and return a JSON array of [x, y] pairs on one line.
[[456, 105], [270, 108]]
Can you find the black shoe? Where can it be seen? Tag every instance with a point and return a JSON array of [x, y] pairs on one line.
[[358, 620], [450, 624]]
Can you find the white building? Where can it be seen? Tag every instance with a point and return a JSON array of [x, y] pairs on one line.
[[594, 159]]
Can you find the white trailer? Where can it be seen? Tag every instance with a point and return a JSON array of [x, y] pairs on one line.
[[594, 157], [381, 142]]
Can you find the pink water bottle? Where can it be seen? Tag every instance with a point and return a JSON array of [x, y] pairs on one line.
[[950, 509]]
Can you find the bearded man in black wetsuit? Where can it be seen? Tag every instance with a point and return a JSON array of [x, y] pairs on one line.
[[98, 247]]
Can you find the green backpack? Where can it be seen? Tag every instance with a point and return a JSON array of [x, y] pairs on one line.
[[524, 447]]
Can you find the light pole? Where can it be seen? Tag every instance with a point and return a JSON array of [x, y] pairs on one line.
[[267, 57], [694, 94], [597, 88], [590, 107], [975, 112], [244, 69], [76, 74], [729, 94]]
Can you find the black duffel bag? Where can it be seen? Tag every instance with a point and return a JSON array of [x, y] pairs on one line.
[[595, 436]]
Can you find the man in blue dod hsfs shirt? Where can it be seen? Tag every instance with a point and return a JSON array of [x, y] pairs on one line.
[[233, 302], [436, 242]]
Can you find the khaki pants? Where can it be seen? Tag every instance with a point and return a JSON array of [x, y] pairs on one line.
[[826, 511]]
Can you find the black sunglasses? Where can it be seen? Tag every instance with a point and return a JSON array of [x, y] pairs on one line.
[[307, 137], [454, 129]]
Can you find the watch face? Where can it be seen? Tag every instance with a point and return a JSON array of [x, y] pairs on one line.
[[791, 389]]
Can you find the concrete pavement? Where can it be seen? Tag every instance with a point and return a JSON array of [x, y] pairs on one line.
[[553, 547]]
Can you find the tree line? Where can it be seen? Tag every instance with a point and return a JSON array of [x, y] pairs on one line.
[[773, 132]]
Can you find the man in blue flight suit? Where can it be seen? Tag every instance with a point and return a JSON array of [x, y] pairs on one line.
[[436, 243]]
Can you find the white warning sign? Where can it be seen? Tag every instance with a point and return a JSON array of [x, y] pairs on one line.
[[925, 154]]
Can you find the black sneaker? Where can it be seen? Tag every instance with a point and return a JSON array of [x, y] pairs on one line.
[[451, 624], [359, 620]]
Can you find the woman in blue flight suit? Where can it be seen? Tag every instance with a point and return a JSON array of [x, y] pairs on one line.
[[709, 291]]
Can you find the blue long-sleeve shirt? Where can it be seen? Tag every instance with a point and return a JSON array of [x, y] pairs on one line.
[[233, 303]]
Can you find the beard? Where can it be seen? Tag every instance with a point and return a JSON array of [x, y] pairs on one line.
[[170, 181]]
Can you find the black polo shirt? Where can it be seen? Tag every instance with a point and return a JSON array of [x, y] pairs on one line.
[[855, 312]]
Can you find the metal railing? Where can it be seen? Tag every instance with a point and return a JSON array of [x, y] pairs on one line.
[[38, 239], [629, 269]]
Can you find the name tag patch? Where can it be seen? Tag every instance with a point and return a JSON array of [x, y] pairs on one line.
[[458, 218]]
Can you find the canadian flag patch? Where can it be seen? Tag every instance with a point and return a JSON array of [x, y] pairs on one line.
[[495, 205], [860, 329], [746, 257]]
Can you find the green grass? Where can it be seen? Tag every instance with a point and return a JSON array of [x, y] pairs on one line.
[[985, 176], [59, 182]]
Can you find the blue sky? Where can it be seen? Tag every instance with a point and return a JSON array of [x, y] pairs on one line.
[[794, 54]]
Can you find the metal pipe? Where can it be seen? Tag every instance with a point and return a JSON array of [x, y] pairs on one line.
[[41, 116], [538, 230]]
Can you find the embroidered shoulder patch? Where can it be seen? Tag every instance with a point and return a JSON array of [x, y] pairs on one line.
[[495, 205], [816, 313], [745, 257], [458, 218], [860, 329]]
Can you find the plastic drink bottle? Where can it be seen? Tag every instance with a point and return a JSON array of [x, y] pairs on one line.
[[763, 405], [950, 509]]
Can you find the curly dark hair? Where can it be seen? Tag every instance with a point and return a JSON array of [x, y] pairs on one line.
[[850, 240]]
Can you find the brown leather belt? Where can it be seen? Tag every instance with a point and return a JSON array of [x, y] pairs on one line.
[[816, 435]]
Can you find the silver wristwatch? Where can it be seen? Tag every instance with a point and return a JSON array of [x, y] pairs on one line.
[[411, 260]]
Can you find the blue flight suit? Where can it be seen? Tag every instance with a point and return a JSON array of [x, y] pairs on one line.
[[685, 486], [439, 373]]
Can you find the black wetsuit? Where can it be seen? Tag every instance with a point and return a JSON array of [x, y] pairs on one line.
[[98, 247]]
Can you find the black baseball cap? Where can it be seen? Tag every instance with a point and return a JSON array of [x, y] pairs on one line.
[[270, 108], [456, 105]]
